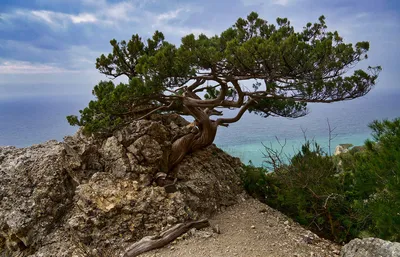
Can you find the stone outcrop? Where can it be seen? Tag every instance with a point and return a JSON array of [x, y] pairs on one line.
[[102, 194], [342, 148], [370, 247], [35, 193]]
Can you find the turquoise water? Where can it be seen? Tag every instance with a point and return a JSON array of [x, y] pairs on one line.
[[30, 120], [255, 152], [349, 121]]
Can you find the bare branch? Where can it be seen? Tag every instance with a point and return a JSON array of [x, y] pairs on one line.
[[330, 136], [274, 157]]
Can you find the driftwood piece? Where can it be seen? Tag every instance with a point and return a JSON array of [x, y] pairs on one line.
[[152, 242]]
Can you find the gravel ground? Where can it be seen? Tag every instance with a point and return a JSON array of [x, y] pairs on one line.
[[249, 229]]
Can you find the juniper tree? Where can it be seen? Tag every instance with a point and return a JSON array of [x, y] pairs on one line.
[[204, 75]]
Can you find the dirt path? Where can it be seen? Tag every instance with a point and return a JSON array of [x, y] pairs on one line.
[[249, 229]]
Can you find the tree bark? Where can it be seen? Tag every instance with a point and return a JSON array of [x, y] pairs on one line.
[[189, 143], [207, 130]]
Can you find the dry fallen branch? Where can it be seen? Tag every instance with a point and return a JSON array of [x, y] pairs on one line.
[[152, 242]]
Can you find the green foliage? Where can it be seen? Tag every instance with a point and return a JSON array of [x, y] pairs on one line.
[[358, 197], [112, 107], [255, 181], [375, 179], [279, 107], [295, 67], [310, 191]]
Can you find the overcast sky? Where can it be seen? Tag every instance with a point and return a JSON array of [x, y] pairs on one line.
[[54, 43]]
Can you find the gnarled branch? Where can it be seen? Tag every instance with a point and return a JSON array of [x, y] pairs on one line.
[[239, 115], [153, 242]]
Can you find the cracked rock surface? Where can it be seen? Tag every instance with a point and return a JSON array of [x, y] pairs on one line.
[[100, 193]]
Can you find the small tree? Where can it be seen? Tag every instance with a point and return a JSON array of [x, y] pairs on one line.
[[204, 75]]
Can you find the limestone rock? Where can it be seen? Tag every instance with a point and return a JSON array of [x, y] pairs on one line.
[[208, 179], [35, 193], [342, 148], [370, 247], [100, 194], [146, 149]]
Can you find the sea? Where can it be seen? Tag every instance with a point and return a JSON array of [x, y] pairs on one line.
[[27, 120]]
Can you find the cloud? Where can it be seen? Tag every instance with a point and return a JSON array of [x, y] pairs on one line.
[[174, 22], [57, 18], [101, 12], [120, 11], [281, 2], [44, 15], [21, 67], [116, 15], [169, 15], [83, 18], [273, 2]]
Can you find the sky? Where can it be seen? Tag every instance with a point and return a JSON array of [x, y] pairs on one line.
[[50, 46]]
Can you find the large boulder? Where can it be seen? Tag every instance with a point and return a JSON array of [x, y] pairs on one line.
[[101, 194], [370, 247]]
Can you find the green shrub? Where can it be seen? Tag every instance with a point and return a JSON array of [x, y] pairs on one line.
[[255, 181], [311, 191], [354, 195], [375, 180]]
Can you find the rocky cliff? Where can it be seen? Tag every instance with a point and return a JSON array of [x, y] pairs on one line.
[[105, 193], [95, 196]]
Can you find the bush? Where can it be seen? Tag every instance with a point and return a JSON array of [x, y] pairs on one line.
[[375, 180], [255, 181], [359, 198], [310, 191]]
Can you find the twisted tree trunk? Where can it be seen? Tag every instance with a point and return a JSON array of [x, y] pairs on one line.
[[207, 130], [189, 143]]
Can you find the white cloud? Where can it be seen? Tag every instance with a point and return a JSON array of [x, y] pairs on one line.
[[163, 21], [130, 13], [47, 16], [102, 12], [120, 11], [83, 18], [113, 13], [169, 15], [20, 67], [274, 2], [125, 18], [57, 18]]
